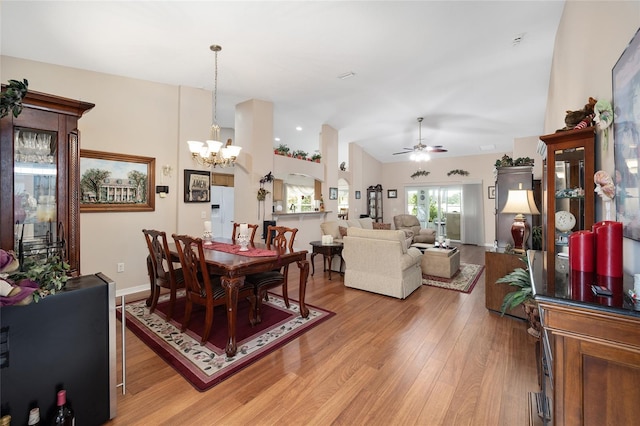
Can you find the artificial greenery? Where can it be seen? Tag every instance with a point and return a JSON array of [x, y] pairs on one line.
[[420, 173], [458, 172], [316, 157], [507, 161], [518, 278], [282, 149], [50, 273], [11, 97], [300, 154], [536, 238]]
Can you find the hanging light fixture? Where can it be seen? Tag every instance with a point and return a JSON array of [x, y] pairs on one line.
[[212, 152], [420, 154]]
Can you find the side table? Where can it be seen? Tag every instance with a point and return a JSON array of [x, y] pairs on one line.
[[327, 251]]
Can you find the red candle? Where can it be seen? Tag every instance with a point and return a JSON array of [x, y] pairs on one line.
[[581, 285], [581, 251], [616, 285], [608, 243]]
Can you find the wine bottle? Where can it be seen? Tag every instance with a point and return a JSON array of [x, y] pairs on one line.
[[34, 417], [64, 414]]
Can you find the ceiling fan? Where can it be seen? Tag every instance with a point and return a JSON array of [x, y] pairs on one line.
[[421, 151]]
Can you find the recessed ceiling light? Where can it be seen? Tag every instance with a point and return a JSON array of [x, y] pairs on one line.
[[276, 139], [346, 75], [298, 128], [487, 147]]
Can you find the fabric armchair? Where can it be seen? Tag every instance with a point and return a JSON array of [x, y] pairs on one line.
[[379, 261], [409, 222]]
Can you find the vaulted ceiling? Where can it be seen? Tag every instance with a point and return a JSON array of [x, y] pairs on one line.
[[477, 71]]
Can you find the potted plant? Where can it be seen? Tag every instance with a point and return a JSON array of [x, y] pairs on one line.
[[521, 279], [300, 154], [11, 97], [316, 157], [282, 149]]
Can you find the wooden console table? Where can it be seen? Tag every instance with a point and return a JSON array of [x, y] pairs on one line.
[[499, 264]]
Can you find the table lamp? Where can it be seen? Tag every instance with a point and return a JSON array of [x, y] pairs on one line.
[[520, 202]]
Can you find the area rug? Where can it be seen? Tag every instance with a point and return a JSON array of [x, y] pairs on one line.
[[207, 365], [464, 280]]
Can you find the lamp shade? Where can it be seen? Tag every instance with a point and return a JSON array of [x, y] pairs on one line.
[[520, 201]]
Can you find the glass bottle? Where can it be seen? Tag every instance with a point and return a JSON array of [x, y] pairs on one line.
[[34, 417], [64, 414]]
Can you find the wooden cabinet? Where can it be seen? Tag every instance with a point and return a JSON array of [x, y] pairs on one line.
[[222, 179], [374, 203], [497, 266], [568, 193], [595, 363], [278, 190], [39, 177]]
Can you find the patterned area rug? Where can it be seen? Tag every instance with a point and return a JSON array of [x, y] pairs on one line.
[[207, 365], [464, 280]]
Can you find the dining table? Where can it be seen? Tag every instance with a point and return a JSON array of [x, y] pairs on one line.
[[225, 259]]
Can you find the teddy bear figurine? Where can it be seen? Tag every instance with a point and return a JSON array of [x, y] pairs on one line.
[[581, 118]]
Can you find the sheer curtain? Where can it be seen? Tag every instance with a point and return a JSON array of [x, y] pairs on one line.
[[472, 214]]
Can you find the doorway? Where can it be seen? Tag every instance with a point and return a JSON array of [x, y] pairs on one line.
[[437, 207]]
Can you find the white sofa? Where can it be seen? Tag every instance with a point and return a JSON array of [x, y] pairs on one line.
[[379, 261]]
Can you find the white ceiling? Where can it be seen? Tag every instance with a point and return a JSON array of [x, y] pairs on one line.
[[452, 62]]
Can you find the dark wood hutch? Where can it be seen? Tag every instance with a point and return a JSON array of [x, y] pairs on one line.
[[39, 175]]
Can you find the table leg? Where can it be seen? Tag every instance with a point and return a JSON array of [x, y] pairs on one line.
[[313, 265], [326, 258], [231, 286], [304, 274]]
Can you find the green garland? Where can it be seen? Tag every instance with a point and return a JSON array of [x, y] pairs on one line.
[[420, 173], [458, 172]]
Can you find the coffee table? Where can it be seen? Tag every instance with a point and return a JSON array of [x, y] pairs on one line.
[[443, 263], [327, 251]]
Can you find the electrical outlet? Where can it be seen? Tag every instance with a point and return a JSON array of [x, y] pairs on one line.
[[203, 214], [120, 267]]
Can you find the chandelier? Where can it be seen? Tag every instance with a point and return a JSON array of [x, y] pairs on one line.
[[212, 152]]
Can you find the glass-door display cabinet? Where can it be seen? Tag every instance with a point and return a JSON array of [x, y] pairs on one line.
[[39, 178], [568, 196], [374, 202]]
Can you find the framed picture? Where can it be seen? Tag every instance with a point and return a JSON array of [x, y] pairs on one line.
[[333, 193], [197, 186], [116, 182], [392, 193], [626, 131], [491, 192], [357, 195]]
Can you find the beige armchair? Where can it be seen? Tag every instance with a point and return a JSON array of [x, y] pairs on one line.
[[411, 223], [379, 261]]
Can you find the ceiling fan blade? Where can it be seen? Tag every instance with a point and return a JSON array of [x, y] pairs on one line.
[[403, 152], [436, 149]]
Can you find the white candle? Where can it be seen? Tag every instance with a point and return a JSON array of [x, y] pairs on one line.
[[207, 226], [244, 229]]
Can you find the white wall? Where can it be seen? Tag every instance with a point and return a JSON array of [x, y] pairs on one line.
[[480, 168], [590, 39]]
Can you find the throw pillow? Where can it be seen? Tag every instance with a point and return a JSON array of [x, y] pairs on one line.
[[378, 225], [343, 231]]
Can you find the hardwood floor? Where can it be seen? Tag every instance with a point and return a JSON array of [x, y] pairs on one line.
[[437, 358]]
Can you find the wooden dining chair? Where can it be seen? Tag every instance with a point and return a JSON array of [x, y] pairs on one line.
[[162, 273], [279, 238], [202, 288], [236, 231]]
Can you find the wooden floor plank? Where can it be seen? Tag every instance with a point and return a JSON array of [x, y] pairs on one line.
[[437, 358]]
